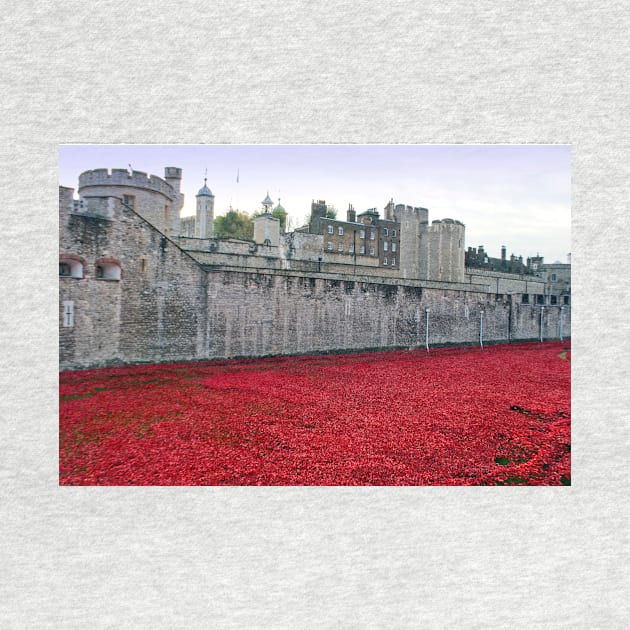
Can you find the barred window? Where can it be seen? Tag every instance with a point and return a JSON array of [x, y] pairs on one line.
[[339, 247]]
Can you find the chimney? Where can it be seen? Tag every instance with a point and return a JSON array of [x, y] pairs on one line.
[[352, 214]]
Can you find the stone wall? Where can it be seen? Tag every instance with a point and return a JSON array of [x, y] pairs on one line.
[[154, 313], [168, 307]]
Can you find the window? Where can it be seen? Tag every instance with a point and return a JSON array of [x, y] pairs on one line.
[[393, 262], [371, 251], [339, 247], [362, 250], [129, 200], [540, 299], [385, 232], [361, 233], [330, 229], [566, 300], [108, 269], [351, 248], [385, 246], [393, 247], [371, 235], [554, 277], [525, 298], [394, 233], [330, 246], [68, 314], [71, 266], [385, 260], [553, 299], [340, 231]]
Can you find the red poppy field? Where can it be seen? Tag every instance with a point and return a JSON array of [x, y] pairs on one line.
[[457, 416]]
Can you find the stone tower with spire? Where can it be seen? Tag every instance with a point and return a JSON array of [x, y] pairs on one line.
[[204, 225]]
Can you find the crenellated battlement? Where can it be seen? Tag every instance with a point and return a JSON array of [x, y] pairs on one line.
[[122, 177], [442, 223]]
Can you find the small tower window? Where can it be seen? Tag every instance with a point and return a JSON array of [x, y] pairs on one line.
[[330, 229], [330, 246], [371, 251], [108, 269], [385, 260], [372, 235], [340, 231], [340, 247], [394, 233], [361, 233], [362, 249], [385, 246], [130, 201], [393, 247], [393, 262], [385, 232], [71, 266]]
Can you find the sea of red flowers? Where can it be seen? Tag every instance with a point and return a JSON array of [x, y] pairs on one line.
[[454, 416]]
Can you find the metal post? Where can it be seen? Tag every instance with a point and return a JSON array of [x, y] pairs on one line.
[[481, 329], [426, 341]]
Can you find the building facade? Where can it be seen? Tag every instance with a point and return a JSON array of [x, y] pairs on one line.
[[139, 284]]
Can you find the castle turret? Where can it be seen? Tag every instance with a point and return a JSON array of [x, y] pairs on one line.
[[152, 197], [443, 251], [204, 224], [267, 203], [412, 223]]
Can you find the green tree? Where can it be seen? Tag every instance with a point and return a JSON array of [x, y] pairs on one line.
[[234, 224]]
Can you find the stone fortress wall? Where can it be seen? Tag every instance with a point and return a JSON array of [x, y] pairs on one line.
[[136, 294]]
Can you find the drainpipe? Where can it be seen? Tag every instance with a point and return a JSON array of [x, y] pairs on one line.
[[481, 329], [561, 313], [426, 341], [542, 310]]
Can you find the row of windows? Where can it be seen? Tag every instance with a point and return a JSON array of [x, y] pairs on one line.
[[331, 230], [340, 248], [540, 299], [105, 269]]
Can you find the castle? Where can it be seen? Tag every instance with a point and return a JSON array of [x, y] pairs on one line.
[[140, 283]]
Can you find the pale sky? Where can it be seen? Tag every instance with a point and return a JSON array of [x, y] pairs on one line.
[[513, 195]]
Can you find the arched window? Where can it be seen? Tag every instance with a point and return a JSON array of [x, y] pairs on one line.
[[108, 269], [71, 266]]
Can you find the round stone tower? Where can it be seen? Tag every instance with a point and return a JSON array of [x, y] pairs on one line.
[[153, 198], [204, 226]]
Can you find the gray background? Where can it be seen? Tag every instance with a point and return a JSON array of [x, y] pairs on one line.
[[361, 72]]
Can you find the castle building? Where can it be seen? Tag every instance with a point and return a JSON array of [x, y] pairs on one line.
[[140, 284]]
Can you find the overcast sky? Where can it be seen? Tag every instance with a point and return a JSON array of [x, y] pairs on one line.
[[512, 195]]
